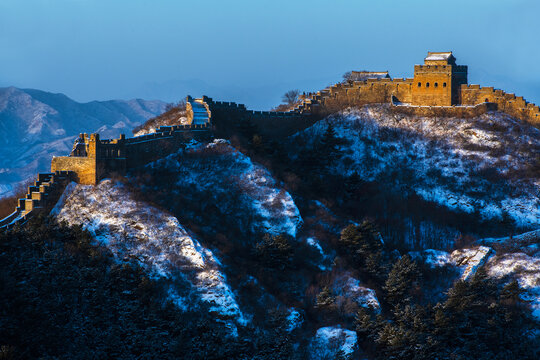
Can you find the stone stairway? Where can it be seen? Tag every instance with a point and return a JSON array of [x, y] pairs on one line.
[[198, 112], [41, 197]]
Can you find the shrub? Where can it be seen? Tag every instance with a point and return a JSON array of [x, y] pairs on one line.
[[275, 251]]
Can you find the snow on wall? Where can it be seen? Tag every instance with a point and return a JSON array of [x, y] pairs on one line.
[[483, 164], [131, 229], [471, 259]]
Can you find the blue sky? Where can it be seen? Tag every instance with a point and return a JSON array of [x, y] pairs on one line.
[[253, 51]]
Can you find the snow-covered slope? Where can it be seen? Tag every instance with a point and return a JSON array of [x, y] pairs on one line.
[[488, 164], [135, 230], [228, 180], [525, 268], [331, 341], [35, 125]]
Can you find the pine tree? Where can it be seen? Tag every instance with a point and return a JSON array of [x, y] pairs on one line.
[[364, 324], [325, 299], [362, 244], [275, 251], [400, 281], [511, 293], [328, 146]]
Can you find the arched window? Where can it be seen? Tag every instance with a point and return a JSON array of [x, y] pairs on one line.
[[486, 100], [443, 84], [436, 84], [427, 84], [419, 84]]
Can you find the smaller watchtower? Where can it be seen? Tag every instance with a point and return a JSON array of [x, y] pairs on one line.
[[438, 81]]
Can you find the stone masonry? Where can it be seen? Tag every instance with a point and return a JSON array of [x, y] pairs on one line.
[[439, 88]]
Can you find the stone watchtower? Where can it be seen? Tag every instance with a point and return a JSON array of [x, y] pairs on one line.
[[438, 81]]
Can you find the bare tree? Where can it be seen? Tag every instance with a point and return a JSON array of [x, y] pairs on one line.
[[347, 76], [291, 97]]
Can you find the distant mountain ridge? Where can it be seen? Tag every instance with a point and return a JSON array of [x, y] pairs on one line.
[[35, 125]]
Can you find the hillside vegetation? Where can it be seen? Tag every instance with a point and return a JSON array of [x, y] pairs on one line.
[[367, 235], [175, 114]]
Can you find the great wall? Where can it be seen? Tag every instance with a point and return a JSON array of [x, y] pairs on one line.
[[439, 88]]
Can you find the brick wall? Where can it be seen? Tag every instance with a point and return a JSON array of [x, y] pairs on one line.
[[509, 103], [84, 168]]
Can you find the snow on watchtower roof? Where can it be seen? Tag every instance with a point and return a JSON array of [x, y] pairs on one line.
[[435, 58]]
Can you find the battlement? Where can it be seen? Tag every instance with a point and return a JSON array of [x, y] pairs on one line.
[[511, 104], [40, 198], [437, 82], [439, 86], [230, 118], [93, 159]]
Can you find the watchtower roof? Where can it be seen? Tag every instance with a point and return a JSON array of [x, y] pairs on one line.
[[445, 56]]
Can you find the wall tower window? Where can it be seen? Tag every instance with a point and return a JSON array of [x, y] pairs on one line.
[[436, 84], [427, 84], [419, 84], [443, 84]]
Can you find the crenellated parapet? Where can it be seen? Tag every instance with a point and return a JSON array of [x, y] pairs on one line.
[[509, 103], [229, 118], [93, 159], [357, 93], [41, 197], [439, 88], [439, 82]]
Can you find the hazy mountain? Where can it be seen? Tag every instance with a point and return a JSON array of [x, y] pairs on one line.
[[35, 125]]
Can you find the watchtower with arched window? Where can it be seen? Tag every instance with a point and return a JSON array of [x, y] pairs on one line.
[[438, 81]]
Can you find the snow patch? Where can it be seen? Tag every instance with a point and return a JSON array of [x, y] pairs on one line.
[[363, 296], [525, 269], [294, 319], [434, 258], [330, 340], [134, 230], [483, 164], [313, 242]]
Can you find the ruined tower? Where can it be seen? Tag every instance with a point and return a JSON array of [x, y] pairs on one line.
[[438, 81]]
